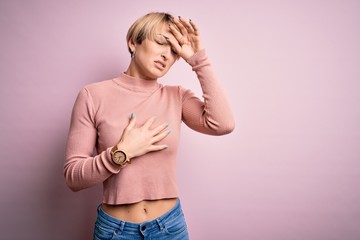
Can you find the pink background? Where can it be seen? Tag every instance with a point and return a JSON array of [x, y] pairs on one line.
[[291, 69]]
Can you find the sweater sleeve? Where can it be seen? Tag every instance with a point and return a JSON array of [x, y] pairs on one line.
[[81, 168], [212, 115]]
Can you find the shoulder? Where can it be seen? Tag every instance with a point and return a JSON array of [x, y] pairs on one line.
[[170, 88], [93, 93], [174, 89], [99, 86], [178, 90], [98, 89]]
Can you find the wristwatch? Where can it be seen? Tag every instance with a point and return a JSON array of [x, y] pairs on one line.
[[119, 157]]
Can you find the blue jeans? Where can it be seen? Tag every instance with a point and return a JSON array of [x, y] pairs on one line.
[[171, 225]]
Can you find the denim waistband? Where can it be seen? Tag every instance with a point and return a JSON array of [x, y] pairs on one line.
[[156, 224]]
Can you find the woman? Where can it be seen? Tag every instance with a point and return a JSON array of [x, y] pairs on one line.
[[134, 123]]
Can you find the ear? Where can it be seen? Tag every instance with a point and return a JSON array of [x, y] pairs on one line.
[[131, 46]]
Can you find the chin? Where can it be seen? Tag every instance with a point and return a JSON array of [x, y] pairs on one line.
[[158, 74]]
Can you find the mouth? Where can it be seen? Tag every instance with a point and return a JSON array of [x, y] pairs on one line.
[[161, 65]]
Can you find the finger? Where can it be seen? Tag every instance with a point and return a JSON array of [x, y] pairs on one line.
[[159, 128], [177, 35], [174, 45], [187, 24], [161, 136], [148, 123], [132, 121], [195, 28], [158, 147], [181, 27]]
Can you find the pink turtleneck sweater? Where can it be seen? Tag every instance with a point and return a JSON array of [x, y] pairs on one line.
[[101, 112]]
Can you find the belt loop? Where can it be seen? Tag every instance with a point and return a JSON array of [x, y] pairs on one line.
[[160, 223], [98, 208], [121, 226]]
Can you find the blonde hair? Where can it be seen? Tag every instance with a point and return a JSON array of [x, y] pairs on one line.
[[145, 26]]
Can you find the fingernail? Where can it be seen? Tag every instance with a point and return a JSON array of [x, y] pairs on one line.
[[166, 146], [169, 131], [189, 20], [132, 115]]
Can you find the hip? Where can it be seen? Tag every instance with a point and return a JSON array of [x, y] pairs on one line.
[[170, 225]]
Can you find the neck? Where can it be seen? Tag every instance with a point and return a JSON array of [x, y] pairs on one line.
[[137, 84], [134, 72]]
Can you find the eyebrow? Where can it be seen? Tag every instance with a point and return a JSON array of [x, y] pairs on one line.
[[166, 38]]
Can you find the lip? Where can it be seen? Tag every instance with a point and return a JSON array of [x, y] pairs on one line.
[[160, 64]]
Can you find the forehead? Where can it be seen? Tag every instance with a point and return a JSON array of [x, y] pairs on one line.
[[162, 30]]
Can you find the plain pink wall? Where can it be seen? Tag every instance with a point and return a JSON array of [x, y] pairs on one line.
[[290, 170]]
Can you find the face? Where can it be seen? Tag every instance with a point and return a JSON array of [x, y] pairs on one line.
[[153, 58]]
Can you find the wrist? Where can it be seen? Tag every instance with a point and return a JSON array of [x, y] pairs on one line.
[[121, 146], [119, 156]]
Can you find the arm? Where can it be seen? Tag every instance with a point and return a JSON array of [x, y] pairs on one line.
[[82, 169], [213, 115]]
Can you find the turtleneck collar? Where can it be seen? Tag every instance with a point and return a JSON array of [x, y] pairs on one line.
[[136, 84]]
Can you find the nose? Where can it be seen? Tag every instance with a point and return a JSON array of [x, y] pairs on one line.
[[166, 53]]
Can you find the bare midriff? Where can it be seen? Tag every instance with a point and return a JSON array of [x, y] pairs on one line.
[[143, 211]]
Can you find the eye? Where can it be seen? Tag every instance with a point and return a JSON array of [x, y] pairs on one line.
[[173, 51]]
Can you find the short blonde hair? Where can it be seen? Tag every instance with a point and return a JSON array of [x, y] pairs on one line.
[[145, 26]]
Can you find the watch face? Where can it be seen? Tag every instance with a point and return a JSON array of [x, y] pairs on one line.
[[119, 157]]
